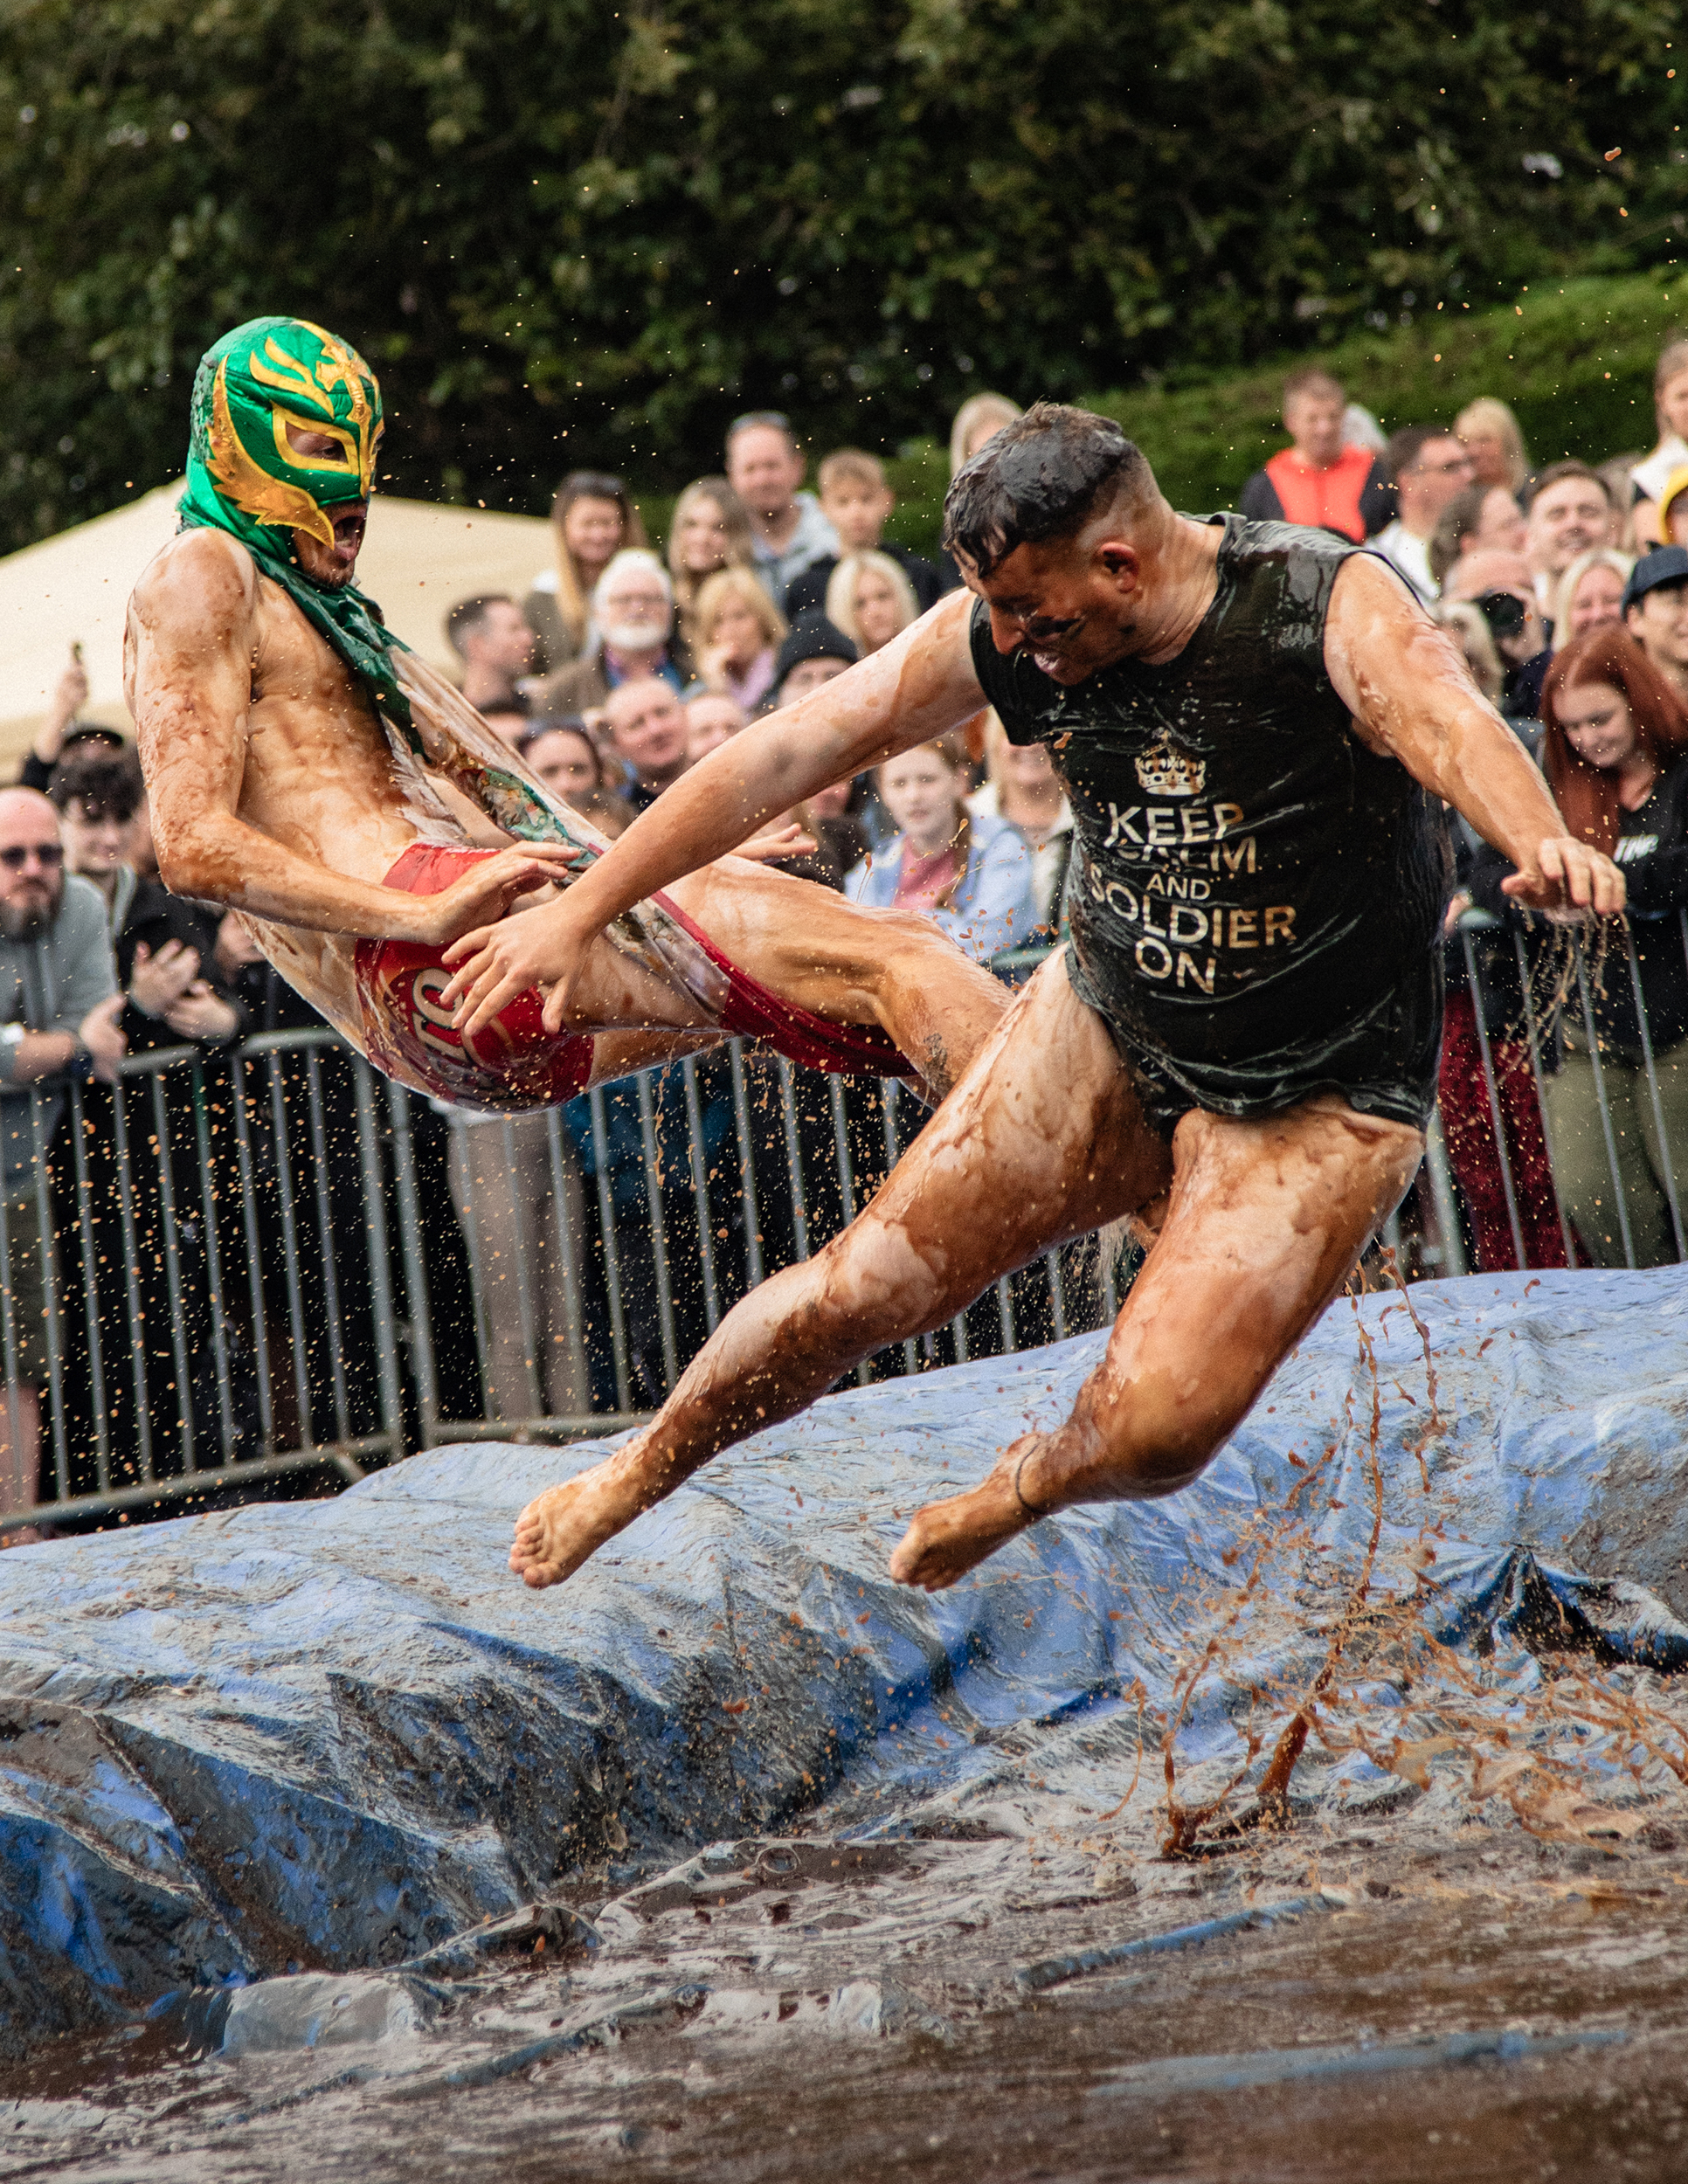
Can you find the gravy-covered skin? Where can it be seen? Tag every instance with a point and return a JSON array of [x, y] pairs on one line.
[[1158, 657], [308, 772]]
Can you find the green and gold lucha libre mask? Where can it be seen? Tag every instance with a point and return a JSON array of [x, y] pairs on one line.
[[245, 478]]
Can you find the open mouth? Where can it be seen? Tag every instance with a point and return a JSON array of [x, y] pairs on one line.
[[349, 533]]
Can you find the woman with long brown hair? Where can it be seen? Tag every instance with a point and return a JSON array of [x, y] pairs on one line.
[[594, 517], [711, 530], [1616, 753]]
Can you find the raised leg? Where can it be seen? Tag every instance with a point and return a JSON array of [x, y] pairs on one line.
[[1042, 1139], [891, 970], [1267, 1221]]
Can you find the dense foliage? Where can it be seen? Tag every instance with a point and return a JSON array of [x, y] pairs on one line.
[[568, 233]]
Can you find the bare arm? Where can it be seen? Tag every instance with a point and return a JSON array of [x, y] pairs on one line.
[[1407, 686], [192, 634], [920, 686]]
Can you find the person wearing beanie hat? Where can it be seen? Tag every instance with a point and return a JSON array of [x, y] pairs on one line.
[[814, 651], [1655, 609]]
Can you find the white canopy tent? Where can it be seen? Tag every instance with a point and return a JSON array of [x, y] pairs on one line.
[[418, 560]]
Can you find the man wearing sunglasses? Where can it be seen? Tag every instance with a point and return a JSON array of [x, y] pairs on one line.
[[59, 1011], [1237, 1049]]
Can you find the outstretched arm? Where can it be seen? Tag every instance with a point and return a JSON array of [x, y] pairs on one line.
[[191, 635], [1411, 697], [920, 686]]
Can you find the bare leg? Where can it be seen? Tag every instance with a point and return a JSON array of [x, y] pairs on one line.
[[1042, 1138], [20, 1457], [889, 970], [1268, 1219]]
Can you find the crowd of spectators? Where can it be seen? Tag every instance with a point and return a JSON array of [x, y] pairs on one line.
[[1564, 585]]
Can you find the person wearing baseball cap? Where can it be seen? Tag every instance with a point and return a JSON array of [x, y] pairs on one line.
[[1655, 609]]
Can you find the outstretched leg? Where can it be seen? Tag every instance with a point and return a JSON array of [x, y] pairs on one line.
[[1267, 1220], [890, 970], [1042, 1139]]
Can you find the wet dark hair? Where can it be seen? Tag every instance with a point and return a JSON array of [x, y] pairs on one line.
[[1043, 476], [1586, 794], [105, 783]]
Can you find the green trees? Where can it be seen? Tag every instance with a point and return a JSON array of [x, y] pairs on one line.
[[565, 234]]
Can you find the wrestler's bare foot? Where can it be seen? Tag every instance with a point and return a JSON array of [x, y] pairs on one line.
[[566, 1525], [946, 1540]]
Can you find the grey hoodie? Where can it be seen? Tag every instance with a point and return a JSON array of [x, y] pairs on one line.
[[49, 984]]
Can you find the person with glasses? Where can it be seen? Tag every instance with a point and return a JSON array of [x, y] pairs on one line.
[[1236, 1051], [59, 1007], [765, 469], [1429, 468]]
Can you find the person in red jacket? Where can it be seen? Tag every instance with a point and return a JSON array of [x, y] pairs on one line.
[[1316, 481]]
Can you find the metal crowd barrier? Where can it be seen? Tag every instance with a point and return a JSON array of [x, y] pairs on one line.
[[266, 1264]]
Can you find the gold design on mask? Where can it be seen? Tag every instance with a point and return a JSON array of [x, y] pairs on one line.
[[349, 459], [251, 490], [293, 376]]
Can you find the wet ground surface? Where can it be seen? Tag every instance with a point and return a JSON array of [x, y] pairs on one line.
[[1393, 2003]]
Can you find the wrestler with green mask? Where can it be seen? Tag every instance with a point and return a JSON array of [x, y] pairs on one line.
[[287, 422], [309, 771]]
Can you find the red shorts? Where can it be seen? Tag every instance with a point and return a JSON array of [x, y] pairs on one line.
[[513, 1062]]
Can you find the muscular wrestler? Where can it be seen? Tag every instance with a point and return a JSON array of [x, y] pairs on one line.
[[309, 771], [1238, 1047]]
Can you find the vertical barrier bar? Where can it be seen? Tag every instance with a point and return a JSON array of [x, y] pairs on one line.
[[563, 1200], [8, 1339], [325, 1236], [1605, 1111], [1653, 1091], [173, 1271], [213, 1258], [132, 1282], [891, 1092], [290, 1254], [1493, 1089], [701, 1194], [746, 1169], [612, 1256], [1534, 1030], [658, 1239], [465, 1132], [1057, 1293], [375, 1218], [417, 1306], [1441, 1197], [254, 1262], [38, 1141], [528, 1250], [794, 1155], [90, 1285]]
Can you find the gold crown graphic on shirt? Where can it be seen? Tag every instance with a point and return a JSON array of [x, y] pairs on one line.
[[1163, 770]]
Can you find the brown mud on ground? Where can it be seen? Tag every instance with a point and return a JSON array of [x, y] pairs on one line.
[[1478, 2005]]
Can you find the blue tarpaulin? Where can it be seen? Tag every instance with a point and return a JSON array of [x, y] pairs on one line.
[[330, 1735]]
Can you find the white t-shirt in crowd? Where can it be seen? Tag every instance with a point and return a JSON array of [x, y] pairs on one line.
[[1411, 556]]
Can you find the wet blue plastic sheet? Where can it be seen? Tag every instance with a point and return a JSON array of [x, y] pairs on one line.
[[329, 1735]]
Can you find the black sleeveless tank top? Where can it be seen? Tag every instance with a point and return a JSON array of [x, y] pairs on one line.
[[1256, 898]]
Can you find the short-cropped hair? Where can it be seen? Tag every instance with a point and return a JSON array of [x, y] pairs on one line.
[[469, 614], [1312, 379], [1041, 477], [848, 466], [103, 783]]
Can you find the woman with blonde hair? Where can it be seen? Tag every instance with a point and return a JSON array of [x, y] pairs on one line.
[[593, 517], [1491, 437], [1475, 639], [711, 530], [980, 418], [1590, 592], [736, 633], [871, 599], [1671, 410]]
